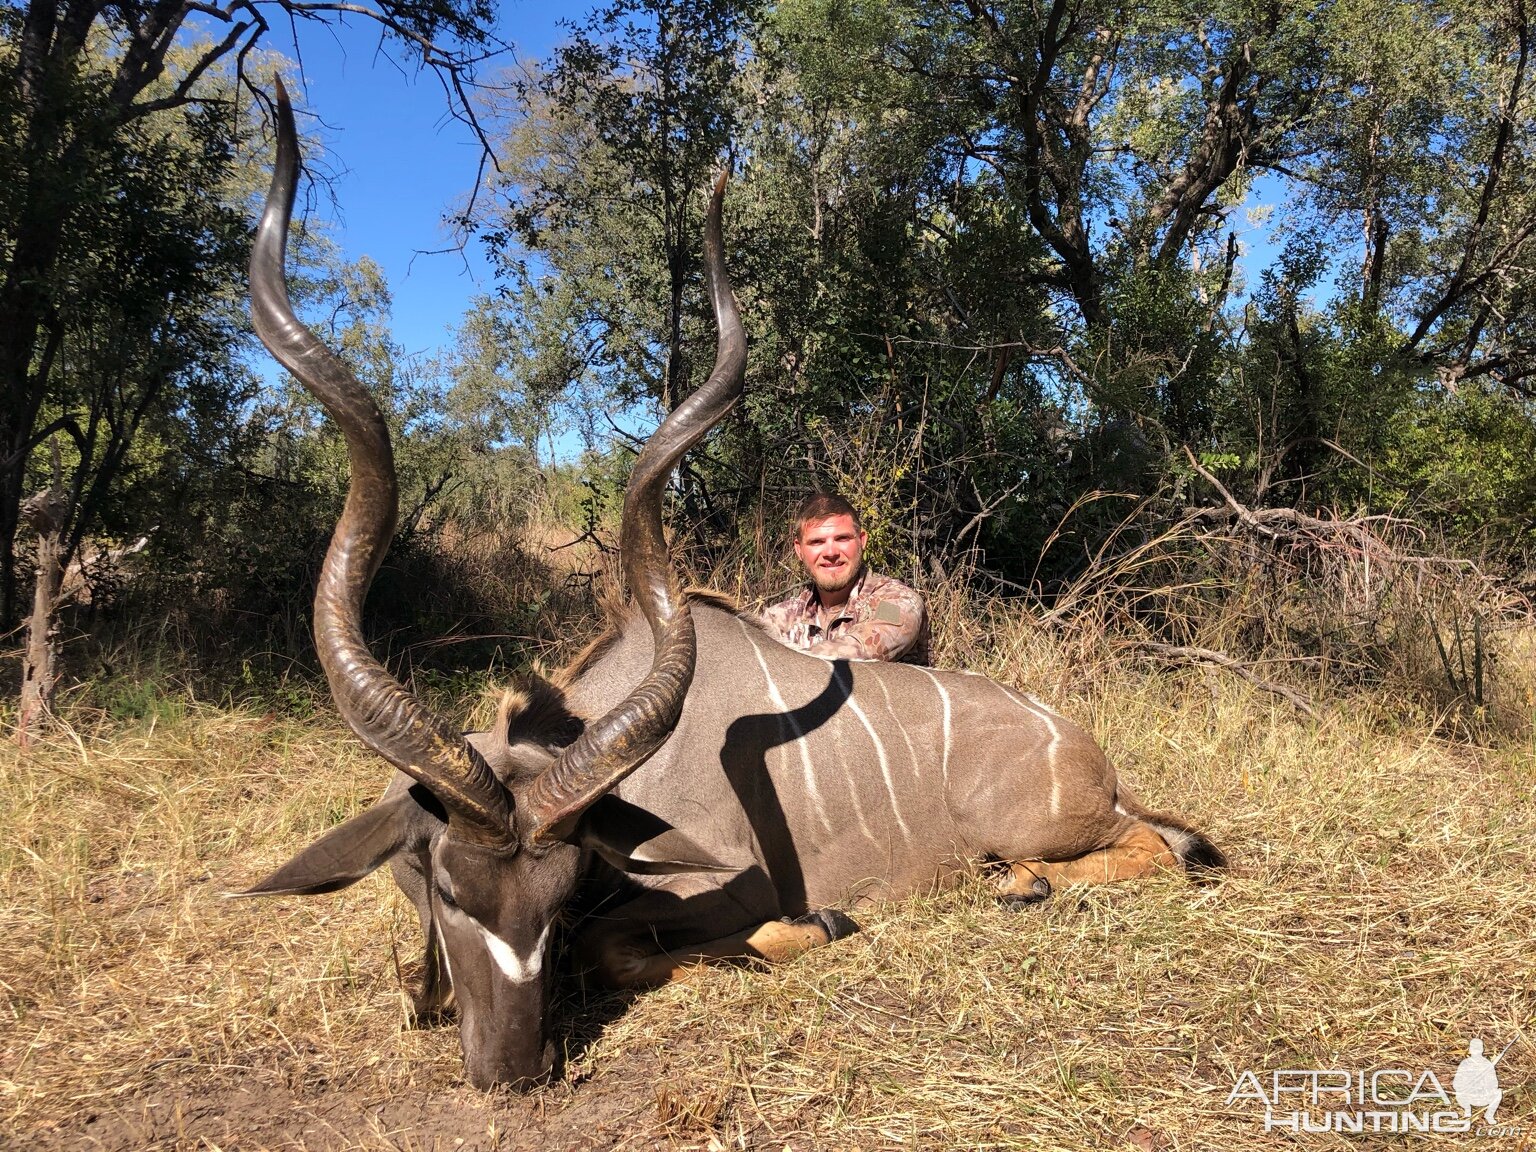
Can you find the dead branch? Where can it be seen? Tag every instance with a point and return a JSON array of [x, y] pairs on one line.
[[1290, 526], [987, 510], [1179, 654]]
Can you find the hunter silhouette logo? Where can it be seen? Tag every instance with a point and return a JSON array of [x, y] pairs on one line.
[[1476, 1083]]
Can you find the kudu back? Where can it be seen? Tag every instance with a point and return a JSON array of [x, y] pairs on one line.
[[689, 789]]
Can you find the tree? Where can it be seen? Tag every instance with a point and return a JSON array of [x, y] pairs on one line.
[[144, 347], [609, 152], [79, 82], [1116, 145], [989, 250], [623, 129]]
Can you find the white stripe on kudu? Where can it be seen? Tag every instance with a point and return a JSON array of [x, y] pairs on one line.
[[944, 696], [1046, 716], [840, 748], [917, 768], [778, 702], [885, 764], [1050, 718]]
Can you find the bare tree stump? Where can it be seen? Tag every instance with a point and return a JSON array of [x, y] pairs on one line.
[[46, 513]]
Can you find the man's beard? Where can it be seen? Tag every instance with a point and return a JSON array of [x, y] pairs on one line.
[[826, 582]]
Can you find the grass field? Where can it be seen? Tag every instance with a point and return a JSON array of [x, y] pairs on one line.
[[1378, 915]]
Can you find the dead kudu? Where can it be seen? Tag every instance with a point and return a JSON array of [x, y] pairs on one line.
[[689, 790]]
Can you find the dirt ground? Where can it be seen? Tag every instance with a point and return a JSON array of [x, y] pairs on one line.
[[263, 1116]]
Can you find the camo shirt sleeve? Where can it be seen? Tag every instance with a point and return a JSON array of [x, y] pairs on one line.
[[886, 620], [790, 621]]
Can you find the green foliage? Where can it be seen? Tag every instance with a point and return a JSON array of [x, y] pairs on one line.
[[990, 257], [141, 701], [611, 146], [141, 369], [1466, 459], [1116, 220], [120, 131]]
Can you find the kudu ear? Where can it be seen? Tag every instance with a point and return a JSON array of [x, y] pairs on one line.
[[349, 851], [634, 840]]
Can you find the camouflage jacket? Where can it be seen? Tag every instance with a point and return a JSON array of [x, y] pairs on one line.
[[882, 620]]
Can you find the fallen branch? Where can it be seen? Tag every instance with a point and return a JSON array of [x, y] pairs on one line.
[[1290, 525], [1175, 653]]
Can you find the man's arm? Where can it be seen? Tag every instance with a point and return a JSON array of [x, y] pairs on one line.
[[897, 626]]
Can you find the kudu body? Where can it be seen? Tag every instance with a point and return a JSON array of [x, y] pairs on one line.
[[690, 789], [818, 785]]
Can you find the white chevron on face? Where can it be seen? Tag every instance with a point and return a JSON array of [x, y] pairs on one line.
[[519, 969]]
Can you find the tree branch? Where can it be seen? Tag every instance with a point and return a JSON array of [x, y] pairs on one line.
[[1178, 653], [1457, 284]]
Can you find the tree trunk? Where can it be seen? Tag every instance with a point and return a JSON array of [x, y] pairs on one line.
[[47, 513]]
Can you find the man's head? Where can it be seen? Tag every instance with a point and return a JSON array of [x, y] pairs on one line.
[[830, 541]]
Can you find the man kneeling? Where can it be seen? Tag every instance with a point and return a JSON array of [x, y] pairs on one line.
[[846, 612]]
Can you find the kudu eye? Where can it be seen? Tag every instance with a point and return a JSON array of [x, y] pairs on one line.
[[446, 896]]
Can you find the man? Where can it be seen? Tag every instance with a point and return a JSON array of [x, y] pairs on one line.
[[846, 612]]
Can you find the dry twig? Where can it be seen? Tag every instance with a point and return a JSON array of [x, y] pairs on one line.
[[1177, 653]]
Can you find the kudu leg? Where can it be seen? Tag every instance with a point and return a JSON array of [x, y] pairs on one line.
[[1139, 851], [432, 996], [638, 963], [432, 1002]]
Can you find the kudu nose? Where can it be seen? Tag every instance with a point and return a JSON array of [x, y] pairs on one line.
[[518, 1075]]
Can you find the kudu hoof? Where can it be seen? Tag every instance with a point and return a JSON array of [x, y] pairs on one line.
[[834, 923], [1039, 892]]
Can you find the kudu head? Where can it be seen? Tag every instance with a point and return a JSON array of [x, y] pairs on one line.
[[507, 840]]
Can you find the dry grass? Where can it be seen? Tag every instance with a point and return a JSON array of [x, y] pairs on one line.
[[1378, 916]]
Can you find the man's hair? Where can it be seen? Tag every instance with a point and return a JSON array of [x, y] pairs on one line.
[[819, 506]]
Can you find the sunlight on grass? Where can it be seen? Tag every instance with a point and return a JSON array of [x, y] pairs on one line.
[[1378, 915]]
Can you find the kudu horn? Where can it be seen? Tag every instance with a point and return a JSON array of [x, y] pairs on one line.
[[384, 714], [616, 744]]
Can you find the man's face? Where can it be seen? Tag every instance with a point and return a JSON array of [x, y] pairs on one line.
[[832, 551]]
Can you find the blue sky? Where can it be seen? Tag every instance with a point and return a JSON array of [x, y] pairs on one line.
[[399, 162]]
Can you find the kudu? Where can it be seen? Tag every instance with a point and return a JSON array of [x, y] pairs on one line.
[[669, 824]]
